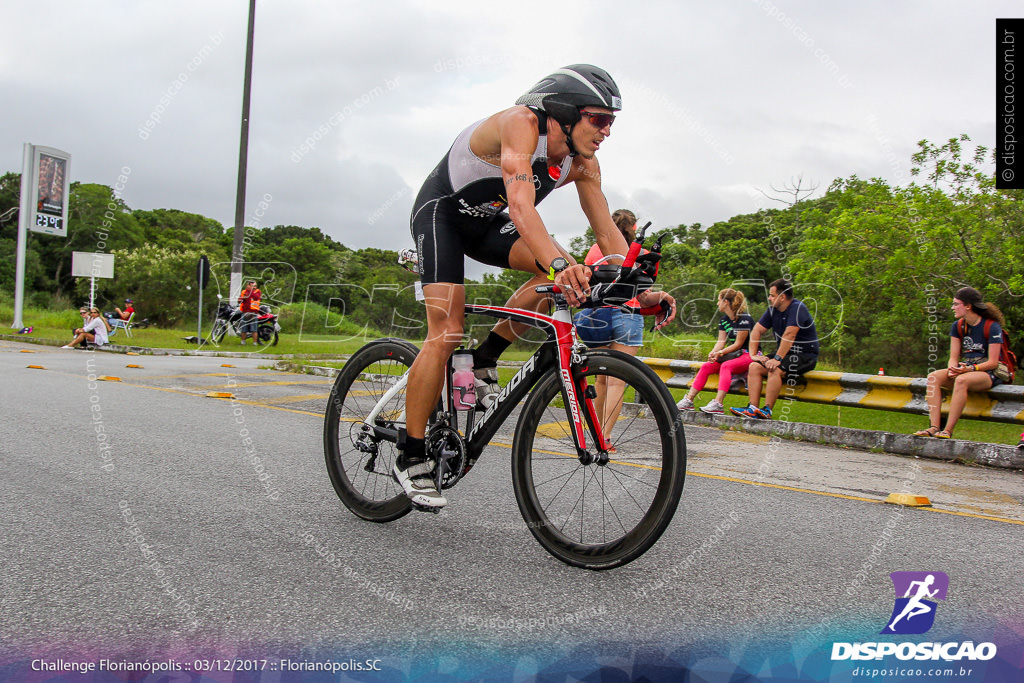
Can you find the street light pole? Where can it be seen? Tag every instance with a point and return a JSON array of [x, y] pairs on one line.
[[237, 257]]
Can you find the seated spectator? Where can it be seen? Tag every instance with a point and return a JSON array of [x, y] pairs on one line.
[[95, 331], [84, 312], [797, 353], [729, 356], [974, 349], [129, 308]]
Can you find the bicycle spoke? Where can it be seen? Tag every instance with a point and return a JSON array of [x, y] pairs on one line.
[[618, 507], [351, 442]]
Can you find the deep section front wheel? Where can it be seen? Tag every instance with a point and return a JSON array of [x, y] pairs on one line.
[[605, 513], [359, 461]]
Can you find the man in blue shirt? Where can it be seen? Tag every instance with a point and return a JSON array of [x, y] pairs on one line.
[[791, 323]]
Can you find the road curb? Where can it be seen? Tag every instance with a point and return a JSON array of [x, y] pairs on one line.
[[951, 450]]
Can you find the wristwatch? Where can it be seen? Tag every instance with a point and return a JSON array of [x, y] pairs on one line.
[[776, 357], [557, 266]]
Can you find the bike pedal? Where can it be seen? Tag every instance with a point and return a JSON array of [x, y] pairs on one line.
[[426, 508]]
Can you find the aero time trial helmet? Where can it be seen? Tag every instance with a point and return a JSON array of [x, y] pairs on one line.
[[562, 94]]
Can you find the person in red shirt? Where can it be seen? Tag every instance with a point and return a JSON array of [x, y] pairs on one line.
[[249, 305], [129, 308]]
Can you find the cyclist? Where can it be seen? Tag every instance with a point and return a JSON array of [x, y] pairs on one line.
[[480, 201]]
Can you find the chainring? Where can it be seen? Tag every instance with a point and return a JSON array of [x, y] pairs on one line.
[[447, 447]]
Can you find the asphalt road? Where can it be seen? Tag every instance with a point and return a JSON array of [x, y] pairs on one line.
[[161, 536]]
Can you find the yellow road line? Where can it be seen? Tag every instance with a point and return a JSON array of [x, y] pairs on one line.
[[235, 385], [848, 497], [214, 374], [294, 399]]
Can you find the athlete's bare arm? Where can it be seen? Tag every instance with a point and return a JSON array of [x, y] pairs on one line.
[[517, 130]]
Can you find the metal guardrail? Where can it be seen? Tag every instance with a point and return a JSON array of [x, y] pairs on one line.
[[902, 394]]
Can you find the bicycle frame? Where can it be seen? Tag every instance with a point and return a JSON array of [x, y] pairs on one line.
[[559, 351]]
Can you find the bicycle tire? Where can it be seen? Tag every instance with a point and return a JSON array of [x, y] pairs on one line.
[[368, 374], [636, 492]]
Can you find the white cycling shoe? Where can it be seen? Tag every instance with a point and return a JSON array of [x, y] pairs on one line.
[[487, 387], [419, 485]]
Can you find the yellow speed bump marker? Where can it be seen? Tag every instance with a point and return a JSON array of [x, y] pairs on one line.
[[27, 351], [130, 365], [219, 394], [35, 367], [130, 353], [226, 365], [908, 500], [108, 378]]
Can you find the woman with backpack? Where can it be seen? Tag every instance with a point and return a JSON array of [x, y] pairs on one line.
[[978, 360]]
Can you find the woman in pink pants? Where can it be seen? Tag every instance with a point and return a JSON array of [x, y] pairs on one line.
[[730, 356]]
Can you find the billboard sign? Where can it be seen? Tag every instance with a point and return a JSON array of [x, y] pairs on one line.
[[49, 191]]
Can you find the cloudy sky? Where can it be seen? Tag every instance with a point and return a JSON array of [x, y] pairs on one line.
[[353, 103]]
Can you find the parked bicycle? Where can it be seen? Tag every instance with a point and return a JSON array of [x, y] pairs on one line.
[[591, 499], [229, 318]]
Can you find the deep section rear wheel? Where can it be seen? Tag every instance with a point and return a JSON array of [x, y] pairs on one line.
[[358, 462], [600, 516]]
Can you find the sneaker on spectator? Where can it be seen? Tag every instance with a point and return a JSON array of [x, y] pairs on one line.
[[686, 403], [763, 413], [1021, 443], [487, 387], [750, 411], [714, 408], [414, 476]]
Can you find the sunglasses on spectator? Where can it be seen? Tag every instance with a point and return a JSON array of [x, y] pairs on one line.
[[597, 119]]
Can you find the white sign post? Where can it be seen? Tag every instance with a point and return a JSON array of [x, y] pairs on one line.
[[45, 184], [92, 266]]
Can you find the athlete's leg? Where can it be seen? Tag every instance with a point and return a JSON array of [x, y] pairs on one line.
[[441, 247], [445, 312]]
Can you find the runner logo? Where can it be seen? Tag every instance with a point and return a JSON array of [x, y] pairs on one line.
[[914, 613], [916, 595]]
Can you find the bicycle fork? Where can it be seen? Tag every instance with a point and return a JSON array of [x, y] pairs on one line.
[[577, 394]]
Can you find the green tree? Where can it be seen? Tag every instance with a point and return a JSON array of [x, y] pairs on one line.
[[171, 227], [899, 254]]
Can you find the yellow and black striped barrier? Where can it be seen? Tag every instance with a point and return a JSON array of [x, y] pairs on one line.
[[903, 394]]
